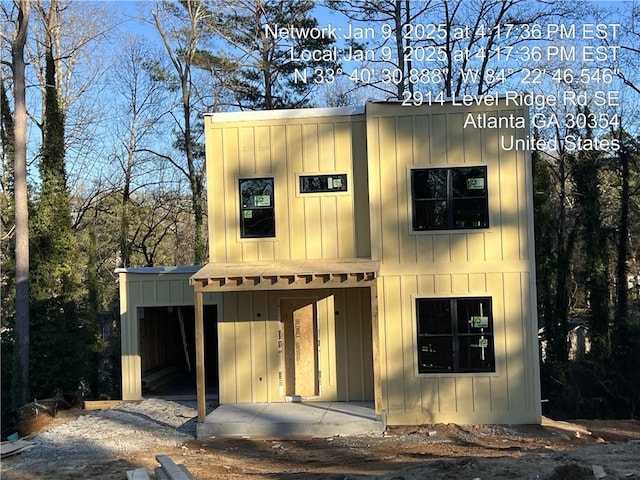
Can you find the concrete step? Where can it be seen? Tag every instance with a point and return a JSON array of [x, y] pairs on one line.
[[278, 420]]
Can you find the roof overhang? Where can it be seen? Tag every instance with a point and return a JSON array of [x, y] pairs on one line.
[[179, 269], [286, 274], [285, 114]]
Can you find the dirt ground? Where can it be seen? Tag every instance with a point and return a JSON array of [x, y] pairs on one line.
[[553, 451]]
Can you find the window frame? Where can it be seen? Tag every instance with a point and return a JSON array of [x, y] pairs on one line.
[[330, 191], [449, 199], [243, 208], [455, 337]]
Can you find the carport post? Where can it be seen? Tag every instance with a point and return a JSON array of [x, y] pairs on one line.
[[200, 378], [375, 339]]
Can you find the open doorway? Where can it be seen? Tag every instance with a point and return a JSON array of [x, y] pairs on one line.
[[167, 350]]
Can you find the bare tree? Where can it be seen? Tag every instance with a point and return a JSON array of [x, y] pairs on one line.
[[76, 33], [139, 116], [21, 197], [182, 43], [628, 64]]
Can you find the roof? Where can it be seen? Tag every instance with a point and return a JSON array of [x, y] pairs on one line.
[[160, 270], [286, 274], [253, 115]]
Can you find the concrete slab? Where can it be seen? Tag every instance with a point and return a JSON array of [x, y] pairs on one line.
[[305, 419]]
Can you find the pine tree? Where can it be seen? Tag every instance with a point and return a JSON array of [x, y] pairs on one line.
[[259, 69], [60, 339]]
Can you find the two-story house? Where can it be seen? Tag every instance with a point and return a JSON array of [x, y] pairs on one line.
[[382, 254]]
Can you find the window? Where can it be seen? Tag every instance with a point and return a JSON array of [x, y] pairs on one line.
[[323, 183], [455, 335], [257, 217], [449, 198]]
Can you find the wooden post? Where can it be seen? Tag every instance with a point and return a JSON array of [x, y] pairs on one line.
[[200, 377], [375, 339]]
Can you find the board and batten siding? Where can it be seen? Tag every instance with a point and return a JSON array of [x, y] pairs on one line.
[[248, 341], [496, 262], [148, 287], [308, 226]]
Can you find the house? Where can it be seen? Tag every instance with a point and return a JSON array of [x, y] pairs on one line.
[[381, 254]]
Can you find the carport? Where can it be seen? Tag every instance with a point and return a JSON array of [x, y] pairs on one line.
[[158, 333]]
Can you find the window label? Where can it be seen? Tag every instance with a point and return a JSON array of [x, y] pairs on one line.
[[475, 183], [262, 200], [480, 322]]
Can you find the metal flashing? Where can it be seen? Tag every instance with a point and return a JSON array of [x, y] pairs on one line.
[[253, 115]]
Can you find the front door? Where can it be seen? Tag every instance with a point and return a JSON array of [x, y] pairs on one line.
[[300, 346]]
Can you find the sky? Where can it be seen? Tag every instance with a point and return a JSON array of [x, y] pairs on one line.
[[132, 10]]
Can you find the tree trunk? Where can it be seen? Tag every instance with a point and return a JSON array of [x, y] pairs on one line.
[[622, 293], [21, 204], [402, 61]]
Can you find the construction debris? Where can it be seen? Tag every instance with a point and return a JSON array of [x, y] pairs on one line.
[[13, 448], [168, 470], [103, 404], [598, 471], [137, 474], [156, 380]]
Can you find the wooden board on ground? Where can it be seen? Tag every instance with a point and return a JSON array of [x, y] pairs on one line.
[[161, 474], [137, 474], [101, 404], [174, 471], [13, 448]]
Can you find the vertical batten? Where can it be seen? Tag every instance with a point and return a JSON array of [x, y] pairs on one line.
[[393, 344], [404, 141], [408, 292]]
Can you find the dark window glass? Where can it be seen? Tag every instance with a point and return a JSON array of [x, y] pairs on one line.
[[434, 317], [257, 218], [435, 355], [449, 198], [430, 184], [323, 183], [430, 215], [455, 335]]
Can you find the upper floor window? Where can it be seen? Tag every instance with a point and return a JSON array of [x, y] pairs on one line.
[[455, 335], [449, 198], [323, 183], [257, 214]]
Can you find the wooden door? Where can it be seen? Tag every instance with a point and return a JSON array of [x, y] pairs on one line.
[[300, 346]]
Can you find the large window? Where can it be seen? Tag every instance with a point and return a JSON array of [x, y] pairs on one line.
[[449, 198], [257, 218], [455, 335]]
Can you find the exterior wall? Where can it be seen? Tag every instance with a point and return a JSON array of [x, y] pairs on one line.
[[250, 360], [373, 219], [497, 262], [156, 287], [308, 226]]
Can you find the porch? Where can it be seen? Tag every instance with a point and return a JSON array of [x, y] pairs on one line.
[[291, 419]]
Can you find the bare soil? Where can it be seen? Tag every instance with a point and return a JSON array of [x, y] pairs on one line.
[[103, 445]]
